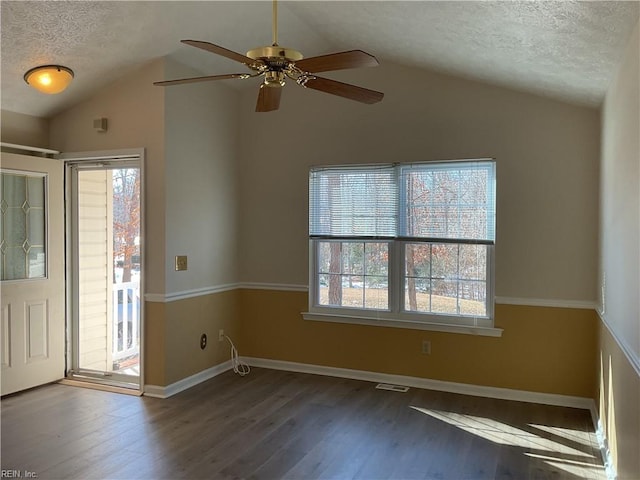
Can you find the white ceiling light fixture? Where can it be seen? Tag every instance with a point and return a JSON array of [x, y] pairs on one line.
[[49, 79]]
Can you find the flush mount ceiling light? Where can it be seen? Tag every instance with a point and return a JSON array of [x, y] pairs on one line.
[[49, 78]]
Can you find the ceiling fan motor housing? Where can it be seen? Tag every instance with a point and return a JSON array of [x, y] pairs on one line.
[[277, 60], [275, 53]]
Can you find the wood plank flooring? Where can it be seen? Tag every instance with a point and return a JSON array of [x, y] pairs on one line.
[[282, 425]]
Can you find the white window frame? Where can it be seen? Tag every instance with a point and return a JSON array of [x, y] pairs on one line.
[[396, 315]]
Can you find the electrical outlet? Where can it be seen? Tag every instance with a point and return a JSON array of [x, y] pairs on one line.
[[220, 335], [426, 347], [203, 341]]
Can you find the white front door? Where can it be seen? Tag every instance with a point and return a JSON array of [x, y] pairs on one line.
[[32, 335]]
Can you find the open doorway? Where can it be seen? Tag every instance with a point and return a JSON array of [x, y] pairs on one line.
[[105, 251]]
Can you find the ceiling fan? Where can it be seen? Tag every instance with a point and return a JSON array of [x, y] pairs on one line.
[[276, 64]]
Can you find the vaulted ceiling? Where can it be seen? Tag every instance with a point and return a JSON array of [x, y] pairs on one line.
[[562, 49]]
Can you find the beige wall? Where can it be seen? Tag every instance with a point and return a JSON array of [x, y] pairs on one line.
[[619, 391], [547, 156], [172, 336], [619, 406], [549, 350], [187, 320], [24, 129]]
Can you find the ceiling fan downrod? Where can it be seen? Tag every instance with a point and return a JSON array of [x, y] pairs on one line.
[[275, 23], [276, 56]]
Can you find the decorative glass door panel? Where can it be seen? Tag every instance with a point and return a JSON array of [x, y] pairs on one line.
[[23, 232]]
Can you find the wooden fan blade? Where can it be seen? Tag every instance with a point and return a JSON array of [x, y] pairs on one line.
[[268, 98], [200, 79], [345, 90], [210, 47], [337, 61]]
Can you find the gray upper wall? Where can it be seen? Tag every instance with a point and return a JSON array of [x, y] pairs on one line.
[[620, 205], [201, 144], [26, 130], [547, 171]]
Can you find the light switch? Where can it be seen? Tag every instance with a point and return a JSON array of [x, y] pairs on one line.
[[181, 262]]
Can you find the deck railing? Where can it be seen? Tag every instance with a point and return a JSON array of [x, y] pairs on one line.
[[126, 320]]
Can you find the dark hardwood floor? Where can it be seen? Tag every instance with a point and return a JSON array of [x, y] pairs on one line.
[[276, 425]]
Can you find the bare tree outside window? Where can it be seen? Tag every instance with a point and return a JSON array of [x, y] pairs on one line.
[[126, 220]]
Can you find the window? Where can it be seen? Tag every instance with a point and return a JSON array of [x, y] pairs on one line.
[[22, 232], [404, 243]]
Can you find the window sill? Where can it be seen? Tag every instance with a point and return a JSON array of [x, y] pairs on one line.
[[376, 322]]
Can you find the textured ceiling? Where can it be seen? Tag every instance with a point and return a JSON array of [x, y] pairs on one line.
[[562, 49]]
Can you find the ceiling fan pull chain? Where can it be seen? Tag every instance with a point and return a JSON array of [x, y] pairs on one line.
[[275, 23]]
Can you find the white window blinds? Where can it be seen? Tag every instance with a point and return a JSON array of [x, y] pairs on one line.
[[449, 201], [359, 201], [443, 201]]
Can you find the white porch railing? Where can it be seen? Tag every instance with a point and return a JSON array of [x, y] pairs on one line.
[[126, 320]]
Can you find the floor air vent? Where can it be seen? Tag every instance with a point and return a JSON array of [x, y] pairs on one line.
[[393, 388]]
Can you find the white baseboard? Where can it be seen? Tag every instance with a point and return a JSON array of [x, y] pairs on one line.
[[426, 383], [157, 391]]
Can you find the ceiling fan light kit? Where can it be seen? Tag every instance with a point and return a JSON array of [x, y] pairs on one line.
[[275, 64], [49, 79]]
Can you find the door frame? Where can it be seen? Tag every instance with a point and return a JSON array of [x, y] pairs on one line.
[[86, 159]]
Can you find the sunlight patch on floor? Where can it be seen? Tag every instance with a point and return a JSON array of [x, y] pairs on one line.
[[579, 469], [552, 446], [502, 433], [583, 438]]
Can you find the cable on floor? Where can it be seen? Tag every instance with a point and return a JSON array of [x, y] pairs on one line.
[[239, 367]]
